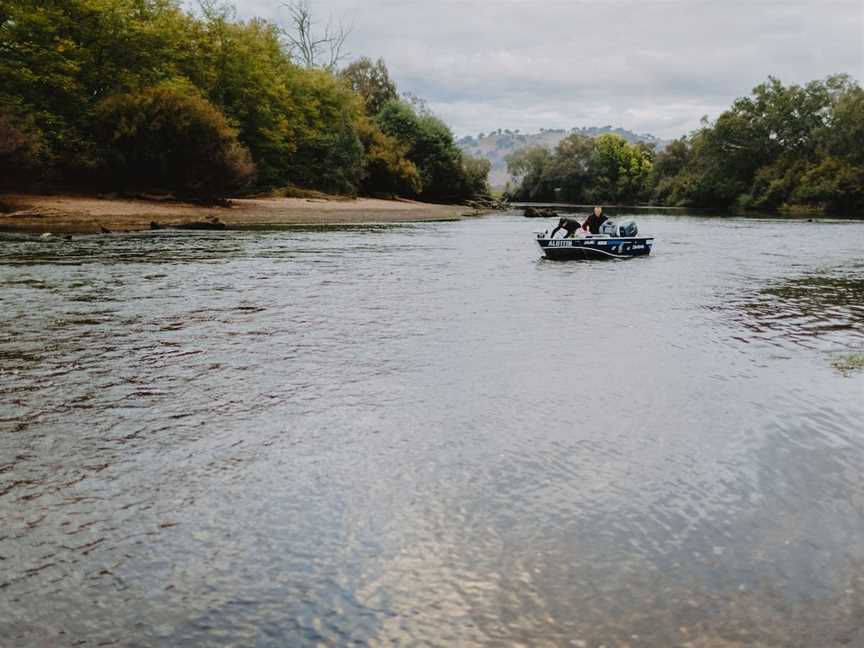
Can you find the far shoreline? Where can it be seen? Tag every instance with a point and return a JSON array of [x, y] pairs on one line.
[[790, 212], [87, 214]]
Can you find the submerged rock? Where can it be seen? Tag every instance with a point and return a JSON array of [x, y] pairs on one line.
[[534, 212]]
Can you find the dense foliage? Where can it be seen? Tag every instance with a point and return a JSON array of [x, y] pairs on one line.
[[583, 169], [445, 171], [20, 147], [497, 145], [168, 137], [142, 93], [781, 147], [372, 82]]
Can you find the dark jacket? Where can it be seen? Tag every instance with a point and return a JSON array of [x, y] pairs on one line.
[[569, 225], [593, 223]]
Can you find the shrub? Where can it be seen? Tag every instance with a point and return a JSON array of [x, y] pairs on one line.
[[169, 137]]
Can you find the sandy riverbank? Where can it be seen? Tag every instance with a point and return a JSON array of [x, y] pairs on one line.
[[69, 214]]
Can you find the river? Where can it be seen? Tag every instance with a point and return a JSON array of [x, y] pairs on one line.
[[426, 434]]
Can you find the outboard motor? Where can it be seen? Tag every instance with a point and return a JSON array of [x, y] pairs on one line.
[[627, 228], [609, 228]]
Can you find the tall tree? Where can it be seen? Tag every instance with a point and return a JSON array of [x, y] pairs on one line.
[[529, 167], [372, 82]]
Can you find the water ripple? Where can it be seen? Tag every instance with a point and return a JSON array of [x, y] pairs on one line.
[[425, 434]]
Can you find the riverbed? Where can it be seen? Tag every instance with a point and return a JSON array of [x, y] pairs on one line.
[[427, 434]]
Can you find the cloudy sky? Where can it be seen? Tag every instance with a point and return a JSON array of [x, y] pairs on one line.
[[646, 65]]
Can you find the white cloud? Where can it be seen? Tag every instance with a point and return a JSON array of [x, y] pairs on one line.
[[648, 65]]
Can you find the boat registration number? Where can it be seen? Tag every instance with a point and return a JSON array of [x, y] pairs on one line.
[[566, 243]]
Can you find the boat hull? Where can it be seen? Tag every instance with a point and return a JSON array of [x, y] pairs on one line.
[[599, 247]]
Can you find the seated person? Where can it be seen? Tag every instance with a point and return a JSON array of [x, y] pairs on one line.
[[569, 225], [594, 221]]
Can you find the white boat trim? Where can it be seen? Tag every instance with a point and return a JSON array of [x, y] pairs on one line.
[[594, 249]]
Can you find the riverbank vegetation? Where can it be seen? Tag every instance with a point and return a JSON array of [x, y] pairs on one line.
[[134, 95], [782, 147]]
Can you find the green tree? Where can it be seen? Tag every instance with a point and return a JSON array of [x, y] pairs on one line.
[[329, 154], [431, 148], [758, 152], [474, 176], [843, 135], [387, 169], [252, 81], [528, 168], [372, 82], [567, 171], [617, 170], [664, 184]]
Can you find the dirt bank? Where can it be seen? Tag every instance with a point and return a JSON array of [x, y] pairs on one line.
[[72, 214]]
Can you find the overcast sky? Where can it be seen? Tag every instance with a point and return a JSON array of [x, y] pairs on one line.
[[649, 66]]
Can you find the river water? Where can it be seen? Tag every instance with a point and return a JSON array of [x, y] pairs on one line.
[[426, 434]]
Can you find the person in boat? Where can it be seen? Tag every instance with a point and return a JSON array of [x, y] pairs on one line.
[[594, 221], [569, 225]]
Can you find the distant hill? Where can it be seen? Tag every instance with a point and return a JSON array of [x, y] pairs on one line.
[[497, 145]]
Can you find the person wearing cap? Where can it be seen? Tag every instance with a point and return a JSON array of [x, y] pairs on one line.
[[594, 221], [569, 225]]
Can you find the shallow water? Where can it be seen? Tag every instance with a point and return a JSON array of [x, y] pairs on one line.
[[427, 434]]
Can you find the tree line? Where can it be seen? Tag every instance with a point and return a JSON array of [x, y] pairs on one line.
[[782, 147], [144, 95]]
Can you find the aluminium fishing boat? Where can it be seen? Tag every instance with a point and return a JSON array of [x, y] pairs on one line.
[[615, 241]]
